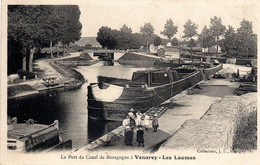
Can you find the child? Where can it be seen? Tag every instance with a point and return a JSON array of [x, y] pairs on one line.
[[140, 136], [138, 119], [155, 123], [146, 121]]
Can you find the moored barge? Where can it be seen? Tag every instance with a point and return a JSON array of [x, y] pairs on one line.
[[33, 137], [113, 99]]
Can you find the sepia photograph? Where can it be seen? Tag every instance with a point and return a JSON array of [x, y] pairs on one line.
[[99, 82]]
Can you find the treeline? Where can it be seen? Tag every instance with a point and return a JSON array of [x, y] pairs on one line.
[[123, 39], [241, 42], [31, 27]]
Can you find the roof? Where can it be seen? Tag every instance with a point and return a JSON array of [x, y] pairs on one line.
[[170, 49]]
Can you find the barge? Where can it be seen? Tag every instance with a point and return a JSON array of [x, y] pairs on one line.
[[32, 137], [113, 99]]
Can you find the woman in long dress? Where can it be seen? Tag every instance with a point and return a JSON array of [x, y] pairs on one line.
[[129, 134]]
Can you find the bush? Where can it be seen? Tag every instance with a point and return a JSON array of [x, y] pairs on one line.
[[29, 75]]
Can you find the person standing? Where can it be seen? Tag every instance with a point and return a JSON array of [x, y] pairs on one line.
[[129, 134], [155, 123], [132, 118], [146, 121], [142, 120], [138, 119], [140, 136], [126, 123]]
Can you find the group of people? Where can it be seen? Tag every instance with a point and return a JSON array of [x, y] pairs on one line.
[[140, 122]]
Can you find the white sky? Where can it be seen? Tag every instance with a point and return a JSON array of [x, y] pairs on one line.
[[134, 14]]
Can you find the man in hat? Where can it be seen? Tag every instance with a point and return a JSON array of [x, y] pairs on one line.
[[155, 123]]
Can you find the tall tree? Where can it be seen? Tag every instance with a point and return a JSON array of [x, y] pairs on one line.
[[23, 26], [147, 30], [124, 37], [35, 26], [217, 29], [246, 39], [169, 29], [229, 41], [190, 30], [71, 26], [107, 37], [205, 39], [126, 30]]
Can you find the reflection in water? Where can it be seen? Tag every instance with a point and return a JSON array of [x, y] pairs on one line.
[[70, 107], [97, 129]]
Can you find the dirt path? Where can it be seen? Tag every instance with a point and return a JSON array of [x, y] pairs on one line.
[[44, 66]]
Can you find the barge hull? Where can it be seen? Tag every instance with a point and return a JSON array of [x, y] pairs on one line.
[[139, 99]]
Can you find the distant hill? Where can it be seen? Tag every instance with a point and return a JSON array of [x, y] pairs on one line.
[[88, 40]]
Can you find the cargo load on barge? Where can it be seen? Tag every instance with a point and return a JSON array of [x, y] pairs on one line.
[[112, 99]]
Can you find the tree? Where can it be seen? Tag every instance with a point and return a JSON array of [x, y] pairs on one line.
[[217, 29], [70, 27], [190, 30], [124, 37], [24, 26], [175, 42], [125, 30], [147, 30], [205, 39], [107, 37], [169, 29], [228, 44], [136, 41], [157, 41], [36, 26], [192, 43], [246, 39]]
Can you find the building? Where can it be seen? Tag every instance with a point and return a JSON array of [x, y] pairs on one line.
[[171, 53]]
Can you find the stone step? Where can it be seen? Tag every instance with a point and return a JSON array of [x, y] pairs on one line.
[[157, 110]]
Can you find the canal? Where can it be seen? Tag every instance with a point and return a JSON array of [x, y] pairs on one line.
[[70, 107]]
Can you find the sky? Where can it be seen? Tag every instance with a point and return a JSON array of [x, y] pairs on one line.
[[134, 14]]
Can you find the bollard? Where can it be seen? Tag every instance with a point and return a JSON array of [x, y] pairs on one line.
[[36, 77], [56, 122], [24, 78]]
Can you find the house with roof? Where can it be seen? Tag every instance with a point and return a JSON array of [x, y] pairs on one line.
[[169, 52]]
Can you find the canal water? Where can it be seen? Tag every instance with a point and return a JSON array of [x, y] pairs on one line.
[[70, 107]]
